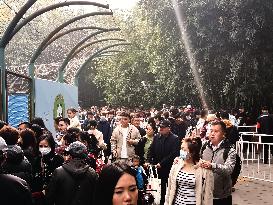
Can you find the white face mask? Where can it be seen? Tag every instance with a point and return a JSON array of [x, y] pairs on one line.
[[45, 150], [184, 155]]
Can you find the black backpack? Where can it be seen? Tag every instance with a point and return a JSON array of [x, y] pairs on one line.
[[238, 164]]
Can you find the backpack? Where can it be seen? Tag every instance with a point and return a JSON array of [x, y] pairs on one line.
[[238, 163]]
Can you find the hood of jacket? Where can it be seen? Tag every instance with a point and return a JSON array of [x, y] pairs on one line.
[[14, 154], [76, 167]]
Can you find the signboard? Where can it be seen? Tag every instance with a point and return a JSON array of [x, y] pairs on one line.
[[53, 99]]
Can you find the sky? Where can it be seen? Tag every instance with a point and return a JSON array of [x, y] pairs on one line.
[[120, 4]]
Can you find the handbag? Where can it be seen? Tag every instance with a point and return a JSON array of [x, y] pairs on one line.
[[154, 185]]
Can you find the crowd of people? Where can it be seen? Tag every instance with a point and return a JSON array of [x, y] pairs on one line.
[[102, 156]]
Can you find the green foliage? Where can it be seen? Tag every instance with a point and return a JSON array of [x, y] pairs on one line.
[[231, 41]]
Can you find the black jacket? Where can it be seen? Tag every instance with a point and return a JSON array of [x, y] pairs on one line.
[[14, 190], [42, 175], [265, 126], [16, 164], [104, 127], [72, 183], [163, 150]]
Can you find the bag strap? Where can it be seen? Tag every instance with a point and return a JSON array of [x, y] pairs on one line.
[[204, 147]]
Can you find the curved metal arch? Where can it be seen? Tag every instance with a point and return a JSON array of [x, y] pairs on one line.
[[41, 46], [68, 57], [7, 35], [98, 55], [99, 51], [52, 7], [91, 43], [70, 31]]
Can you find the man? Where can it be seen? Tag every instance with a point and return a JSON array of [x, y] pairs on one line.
[[124, 138], [164, 148], [90, 116], [23, 126], [179, 127], [105, 128], [213, 158], [139, 149], [14, 190], [265, 126], [74, 182], [63, 124]]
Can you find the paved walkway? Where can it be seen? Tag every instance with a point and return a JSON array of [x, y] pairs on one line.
[[252, 192]]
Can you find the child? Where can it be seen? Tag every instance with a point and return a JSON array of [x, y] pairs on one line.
[[140, 173]]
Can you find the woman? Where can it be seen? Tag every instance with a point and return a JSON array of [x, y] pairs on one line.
[[188, 183], [150, 132], [117, 185], [44, 166], [27, 141], [74, 120]]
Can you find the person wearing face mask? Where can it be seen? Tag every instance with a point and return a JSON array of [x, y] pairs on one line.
[[188, 183], [44, 166]]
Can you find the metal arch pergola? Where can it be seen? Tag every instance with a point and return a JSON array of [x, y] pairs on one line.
[[14, 26], [94, 55]]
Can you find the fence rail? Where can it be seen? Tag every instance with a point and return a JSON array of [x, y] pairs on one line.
[[254, 160]]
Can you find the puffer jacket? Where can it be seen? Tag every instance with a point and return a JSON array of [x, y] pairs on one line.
[[203, 185], [72, 183], [222, 169]]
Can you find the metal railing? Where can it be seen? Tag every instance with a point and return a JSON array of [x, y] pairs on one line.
[[256, 158]]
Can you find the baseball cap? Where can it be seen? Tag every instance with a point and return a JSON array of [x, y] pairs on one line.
[[165, 123]]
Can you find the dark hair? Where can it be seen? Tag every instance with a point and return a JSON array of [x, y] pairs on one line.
[[221, 123], [91, 140], [136, 157], [194, 145], [39, 121], [28, 139], [265, 107], [38, 131], [27, 124], [2, 124], [10, 135], [49, 138], [70, 137], [224, 115], [92, 123], [66, 120], [72, 110], [125, 114], [74, 130], [204, 113], [108, 179]]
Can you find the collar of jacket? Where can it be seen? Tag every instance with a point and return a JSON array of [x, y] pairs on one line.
[[224, 144]]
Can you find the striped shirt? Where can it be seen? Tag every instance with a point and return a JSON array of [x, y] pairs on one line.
[[185, 193]]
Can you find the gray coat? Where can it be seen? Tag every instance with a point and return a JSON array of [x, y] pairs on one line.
[[222, 169]]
